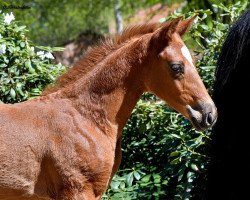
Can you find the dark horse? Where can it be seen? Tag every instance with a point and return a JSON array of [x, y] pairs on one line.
[[66, 144], [229, 172]]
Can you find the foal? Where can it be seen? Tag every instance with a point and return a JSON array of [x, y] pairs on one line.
[[66, 145]]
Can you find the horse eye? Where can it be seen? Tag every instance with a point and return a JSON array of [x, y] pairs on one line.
[[178, 68]]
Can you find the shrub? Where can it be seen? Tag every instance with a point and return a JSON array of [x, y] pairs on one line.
[[25, 69]]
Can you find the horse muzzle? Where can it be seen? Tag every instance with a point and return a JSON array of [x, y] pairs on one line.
[[203, 115]]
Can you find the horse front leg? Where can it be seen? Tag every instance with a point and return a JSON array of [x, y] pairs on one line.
[[74, 194], [118, 158]]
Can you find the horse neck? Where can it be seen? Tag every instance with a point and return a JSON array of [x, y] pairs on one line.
[[108, 94]]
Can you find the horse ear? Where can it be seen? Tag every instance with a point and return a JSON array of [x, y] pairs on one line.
[[161, 36], [185, 25], [173, 26]]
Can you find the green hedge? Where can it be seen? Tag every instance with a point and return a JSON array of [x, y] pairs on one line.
[[25, 69]]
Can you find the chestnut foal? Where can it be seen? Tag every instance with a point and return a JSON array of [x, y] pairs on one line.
[[66, 144]]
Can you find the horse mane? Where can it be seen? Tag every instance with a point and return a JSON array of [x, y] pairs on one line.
[[229, 138], [236, 43], [97, 53]]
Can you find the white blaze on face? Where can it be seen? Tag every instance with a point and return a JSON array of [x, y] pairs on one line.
[[185, 52]]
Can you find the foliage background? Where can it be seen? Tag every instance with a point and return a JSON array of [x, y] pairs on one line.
[[163, 157], [55, 22], [23, 72]]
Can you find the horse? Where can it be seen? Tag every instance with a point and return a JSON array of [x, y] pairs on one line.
[[228, 170], [66, 144]]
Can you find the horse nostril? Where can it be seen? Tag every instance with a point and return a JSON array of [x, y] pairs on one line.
[[209, 119], [202, 116]]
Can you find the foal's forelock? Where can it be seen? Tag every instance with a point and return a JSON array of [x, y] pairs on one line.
[[96, 54]]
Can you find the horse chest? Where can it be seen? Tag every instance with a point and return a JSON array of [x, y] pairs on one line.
[[85, 159]]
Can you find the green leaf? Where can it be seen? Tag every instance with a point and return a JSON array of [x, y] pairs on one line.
[[137, 175], [114, 185], [204, 16], [57, 48], [194, 167], [175, 153], [19, 28], [129, 179], [122, 185], [146, 178], [157, 178], [175, 135], [22, 44], [165, 182], [19, 90], [50, 49], [29, 67], [175, 161], [12, 93], [223, 27], [205, 27]]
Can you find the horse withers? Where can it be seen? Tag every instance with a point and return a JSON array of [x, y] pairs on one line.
[[66, 144]]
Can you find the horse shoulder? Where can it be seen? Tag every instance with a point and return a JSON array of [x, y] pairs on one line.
[[84, 159]]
